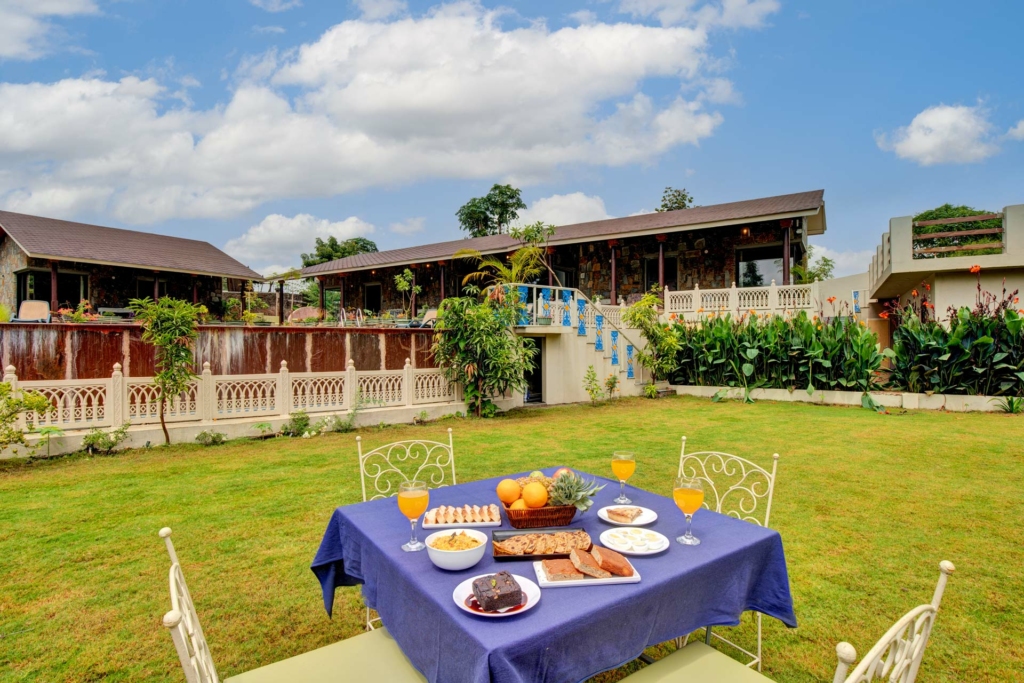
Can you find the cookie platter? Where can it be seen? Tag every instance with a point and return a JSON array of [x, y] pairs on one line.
[[451, 517]]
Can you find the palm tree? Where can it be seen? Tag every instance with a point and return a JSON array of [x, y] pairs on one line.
[[522, 266]]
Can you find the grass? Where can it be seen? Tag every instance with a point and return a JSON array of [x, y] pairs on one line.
[[867, 505]]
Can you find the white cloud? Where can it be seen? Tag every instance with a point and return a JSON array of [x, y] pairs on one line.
[[943, 134], [1017, 132], [565, 209], [721, 91], [276, 5], [408, 227], [263, 30], [278, 236], [26, 27], [584, 16], [369, 103], [847, 262], [380, 9], [725, 13]]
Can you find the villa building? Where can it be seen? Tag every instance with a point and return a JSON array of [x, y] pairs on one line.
[[748, 243], [64, 263]]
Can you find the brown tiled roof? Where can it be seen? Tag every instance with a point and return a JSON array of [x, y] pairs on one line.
[[49, 238], [692, 219]]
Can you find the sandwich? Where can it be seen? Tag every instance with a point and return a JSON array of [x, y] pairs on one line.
[[623, 515]]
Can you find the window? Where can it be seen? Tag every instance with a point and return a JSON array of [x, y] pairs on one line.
[[372, 297], [758, 266], [651, 272], [144, 287]]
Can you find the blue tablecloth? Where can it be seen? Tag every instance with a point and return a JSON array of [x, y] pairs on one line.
[[573, 633]]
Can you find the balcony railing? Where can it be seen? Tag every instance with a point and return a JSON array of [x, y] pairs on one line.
[[771, 300]]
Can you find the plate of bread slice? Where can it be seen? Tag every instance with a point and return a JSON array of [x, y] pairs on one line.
[[448, 516], [627, 515], [596, 567]]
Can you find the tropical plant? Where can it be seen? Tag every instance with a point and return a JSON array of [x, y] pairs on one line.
[[674, 200], [611, 384], [298, 424], [232, 309], [12, 404], [592, 386], [650, 390], [171, 327], [1010, 404], [100, 441], [659, 355], [48, 433], [264, 428], [405, 284], [493, 213], [812, 269], [79, 314], [476, 346], [208, 437], [254, 303]]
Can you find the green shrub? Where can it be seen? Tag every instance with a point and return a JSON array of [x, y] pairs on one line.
[[650, 391], [208, 437], [592, 386], [297, 424], [99, 441]]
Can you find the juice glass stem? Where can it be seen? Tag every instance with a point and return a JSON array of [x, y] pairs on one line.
[[414, 544], [688, 538], [622, 500]]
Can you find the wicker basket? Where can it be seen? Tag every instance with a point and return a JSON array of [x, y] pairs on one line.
[[536, 518]]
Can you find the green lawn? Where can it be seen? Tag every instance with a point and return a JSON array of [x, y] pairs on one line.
[[867, 505]]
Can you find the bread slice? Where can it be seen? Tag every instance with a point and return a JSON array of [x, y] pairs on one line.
[[623, 515], [611, 561], [495, 513], [561, 570], [585, 562]]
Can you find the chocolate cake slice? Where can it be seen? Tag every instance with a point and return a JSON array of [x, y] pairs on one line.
[[497, 591]]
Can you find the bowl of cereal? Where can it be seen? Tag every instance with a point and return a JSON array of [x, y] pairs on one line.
[[456, 549]]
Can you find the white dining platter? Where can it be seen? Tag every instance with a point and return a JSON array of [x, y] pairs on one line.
[[463, 525], [542, 579], [633, 541], [531, 592], [647, 517]]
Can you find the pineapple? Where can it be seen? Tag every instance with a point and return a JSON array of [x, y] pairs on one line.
[[572, 489]]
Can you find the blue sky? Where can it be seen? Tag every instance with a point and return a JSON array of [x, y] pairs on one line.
[[260, 124]]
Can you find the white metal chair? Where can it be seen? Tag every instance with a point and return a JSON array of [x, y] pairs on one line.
[[739, 488], [368, 656], [388, 465], [897, 656]]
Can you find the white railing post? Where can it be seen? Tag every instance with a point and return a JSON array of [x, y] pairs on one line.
[[116, 397], [11, 378], [351, 384], [207, 394], [284, 390], [409, 384], [667, 310], [734, 299], [815, 294], [773, 299]]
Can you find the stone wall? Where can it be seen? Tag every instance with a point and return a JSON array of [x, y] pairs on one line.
[[12, 259]]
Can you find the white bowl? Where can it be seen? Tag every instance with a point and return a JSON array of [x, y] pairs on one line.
[[456, 560]]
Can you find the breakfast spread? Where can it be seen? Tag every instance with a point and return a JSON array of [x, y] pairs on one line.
[[634, 541], [550, 543], [497, 591], [455, 541], [624, 515], [467, 514]]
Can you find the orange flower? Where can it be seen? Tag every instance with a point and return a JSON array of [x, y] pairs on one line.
[[1016, 299], [831, 299], [752, 312], [863, 324], [975, 268], [700, 310], [928, 304], [884, 315], [913, 292], [927, 287]]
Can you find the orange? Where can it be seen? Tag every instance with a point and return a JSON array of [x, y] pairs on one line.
[[518, 505], [508, 491], [535, 495]]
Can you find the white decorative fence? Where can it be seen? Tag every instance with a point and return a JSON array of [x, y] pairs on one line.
[[772, 300], [84, 404]]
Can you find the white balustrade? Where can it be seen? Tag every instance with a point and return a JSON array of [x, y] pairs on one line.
[[87, 403], [771, 300]]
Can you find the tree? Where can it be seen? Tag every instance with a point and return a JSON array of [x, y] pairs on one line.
[[12, 404], [493, 213], [171, 326], [813, 269], [475, 344], [751, 275], [404, 284], [332, 250], [951, 211], [673, 200]]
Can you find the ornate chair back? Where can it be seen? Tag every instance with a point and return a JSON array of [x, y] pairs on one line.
[[733, 485], [183, 623], [897, 656], [384, 468]]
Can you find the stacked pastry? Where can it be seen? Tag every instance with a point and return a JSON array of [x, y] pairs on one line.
[[467, 514]]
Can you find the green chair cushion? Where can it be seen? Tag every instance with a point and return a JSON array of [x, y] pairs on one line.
[[371, 656], [696, 663]]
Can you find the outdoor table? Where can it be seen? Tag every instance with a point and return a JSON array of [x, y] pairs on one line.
[[572, 633]]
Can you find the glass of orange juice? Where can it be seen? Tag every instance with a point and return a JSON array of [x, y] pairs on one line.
[[689, 496], [413, 498], [623, 466]]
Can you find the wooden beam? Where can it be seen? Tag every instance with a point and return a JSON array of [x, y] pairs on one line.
[[961, 219], [53, 286], [962, 247], [957, 233], [280, 302]]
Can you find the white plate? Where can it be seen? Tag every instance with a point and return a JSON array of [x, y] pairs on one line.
[[647, 517], [465, 589], [542, 579], [656, 543]]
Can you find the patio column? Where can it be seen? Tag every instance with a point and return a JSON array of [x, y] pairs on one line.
[[548, 258], [412, 294], [53, 285], [441, 266], [785, 250], [322, 300], [280, 302], [661, 261], [195, 290], [156, 285], [341, 296], [614, 285]]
